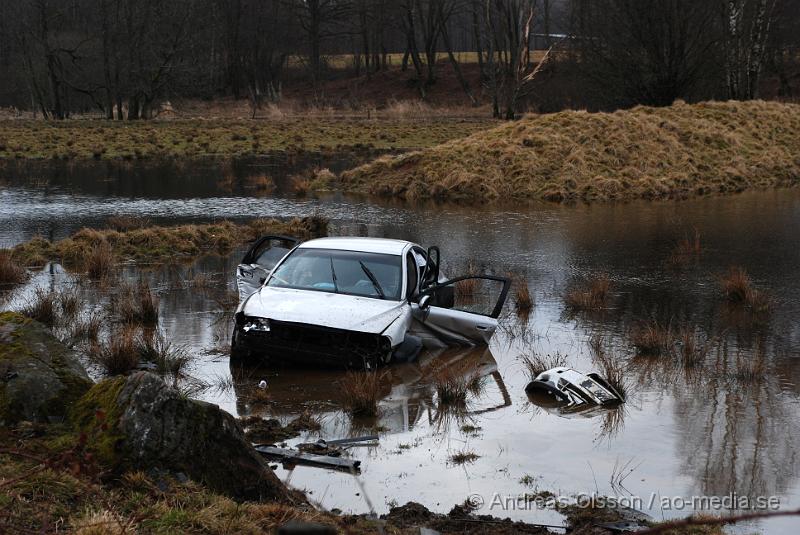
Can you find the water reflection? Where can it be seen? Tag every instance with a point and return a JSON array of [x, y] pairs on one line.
[[700, 429]]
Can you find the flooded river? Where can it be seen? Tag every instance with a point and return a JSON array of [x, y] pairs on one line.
[[681, 434]]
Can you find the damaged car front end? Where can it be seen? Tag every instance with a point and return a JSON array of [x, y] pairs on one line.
[[354, 303]]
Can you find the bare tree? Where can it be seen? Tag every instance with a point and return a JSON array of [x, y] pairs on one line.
[[508, 59], [747, 25]]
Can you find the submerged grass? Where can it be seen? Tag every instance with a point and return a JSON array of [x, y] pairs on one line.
[[95, 250], [135, 305], [361, 393], [453, 384], [523, 300], [738, 289], [679, 151], [43, 307], [652, 339], [592, 294]]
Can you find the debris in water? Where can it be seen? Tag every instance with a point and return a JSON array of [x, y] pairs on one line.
[[571, 392], [293, 457], [262, 385]]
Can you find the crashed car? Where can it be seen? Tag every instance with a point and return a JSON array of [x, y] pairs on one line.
[[571, 392], [352, 302]]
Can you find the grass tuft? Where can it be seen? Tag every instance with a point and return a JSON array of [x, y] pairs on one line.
[[136, 306], [43, 307], [536, 363], [453, 384], [10, 271], [170, 360], [120, 355], [464, 457], [125, 223], [99, 261], [652, 339], [523, 300], [611, 370], [591, 295], [361, 392], [737, 288]]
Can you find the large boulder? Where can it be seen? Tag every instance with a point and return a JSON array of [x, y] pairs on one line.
[[40, 378], [140, 422]]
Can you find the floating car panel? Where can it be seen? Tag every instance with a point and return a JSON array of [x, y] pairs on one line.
[[570, 390]]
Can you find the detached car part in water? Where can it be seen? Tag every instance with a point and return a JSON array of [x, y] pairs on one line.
[[572, 392], [352, 302]]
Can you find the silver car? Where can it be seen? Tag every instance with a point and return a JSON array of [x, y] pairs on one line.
[[356, 302]]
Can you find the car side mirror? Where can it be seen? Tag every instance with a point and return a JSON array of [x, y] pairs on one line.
[[424, 302]]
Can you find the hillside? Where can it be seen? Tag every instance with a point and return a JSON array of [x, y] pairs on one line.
[[675, 152]]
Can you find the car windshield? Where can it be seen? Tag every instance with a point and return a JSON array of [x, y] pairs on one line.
[[344, 272]]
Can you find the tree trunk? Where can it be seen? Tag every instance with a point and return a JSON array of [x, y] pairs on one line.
[[456, 67]]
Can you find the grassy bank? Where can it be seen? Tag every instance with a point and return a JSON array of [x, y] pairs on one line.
[[87, 139], [676, 152], [96, 249]]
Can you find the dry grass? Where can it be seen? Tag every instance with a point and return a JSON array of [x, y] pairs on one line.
[[465, 290], [99, 261], [96, 250], [464, 457], [536, 363], [674, 152], [361, 393], [113, 140], [591, 295], [43, 307], [737, 288], [10, 271], [686, 249], [124, 223], [135, 305], [259, 183], [453, 384], [523, 300], [750, 369], [611, 370], [692, 349], [300, 185], [170, 360], [652, 339], [69, 303], [88, 328], [120, 355]]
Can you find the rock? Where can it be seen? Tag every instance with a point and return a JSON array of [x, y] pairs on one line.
[[139, 422], [40, 377]]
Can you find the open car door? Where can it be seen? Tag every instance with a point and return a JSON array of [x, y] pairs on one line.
[[259, 260], [463, 310]]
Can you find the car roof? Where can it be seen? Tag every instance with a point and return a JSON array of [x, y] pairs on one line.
[[365, 245]]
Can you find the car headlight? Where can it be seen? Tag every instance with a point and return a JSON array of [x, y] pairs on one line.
[[260, 325]]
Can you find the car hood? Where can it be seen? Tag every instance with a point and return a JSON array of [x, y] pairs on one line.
[[337, 311]]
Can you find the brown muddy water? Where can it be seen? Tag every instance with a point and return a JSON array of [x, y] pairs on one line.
[[705, 431]]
